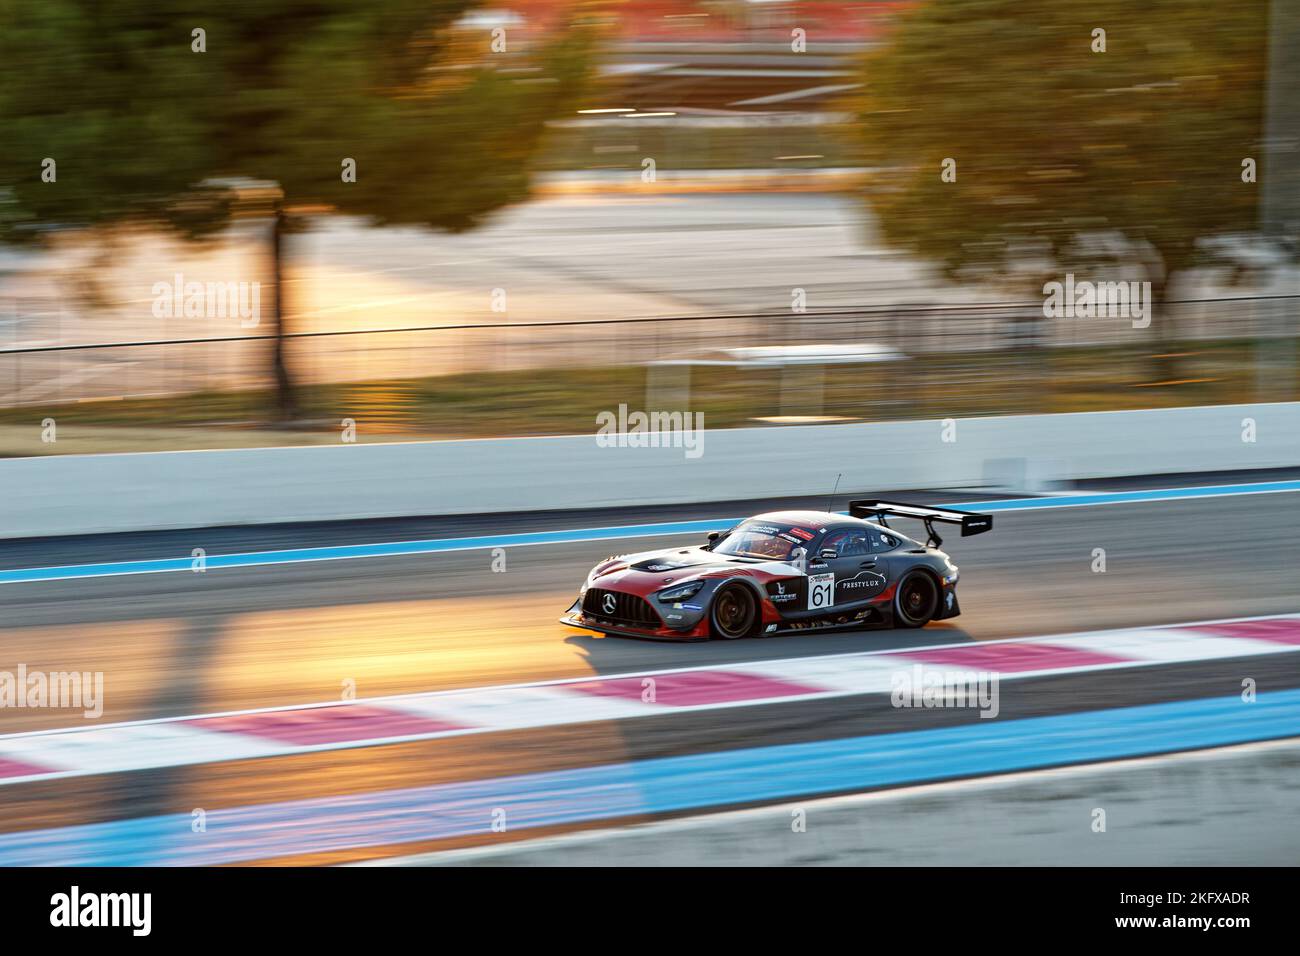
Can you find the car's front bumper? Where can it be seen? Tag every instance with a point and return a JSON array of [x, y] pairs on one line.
[[575, 617]]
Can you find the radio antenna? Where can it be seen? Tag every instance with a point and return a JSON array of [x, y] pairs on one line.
[[831, 500]]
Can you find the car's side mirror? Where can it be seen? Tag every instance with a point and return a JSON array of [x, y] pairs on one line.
[[713, 538], [827, 553]]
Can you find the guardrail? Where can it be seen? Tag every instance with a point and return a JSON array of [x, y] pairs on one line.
[[77, 494]]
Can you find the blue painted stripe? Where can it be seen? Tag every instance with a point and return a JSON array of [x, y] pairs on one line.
[[1123, 497], [439, 545], [683, 783]]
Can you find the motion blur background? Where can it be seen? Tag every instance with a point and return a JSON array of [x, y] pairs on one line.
[[253, 223], [559, 207]]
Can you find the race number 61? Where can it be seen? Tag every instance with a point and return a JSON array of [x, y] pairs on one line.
[[820, 589]]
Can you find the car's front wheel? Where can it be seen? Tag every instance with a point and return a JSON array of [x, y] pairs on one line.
[[734, 612], [916, 601]]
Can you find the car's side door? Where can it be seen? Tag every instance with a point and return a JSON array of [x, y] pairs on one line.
[[855, 573]]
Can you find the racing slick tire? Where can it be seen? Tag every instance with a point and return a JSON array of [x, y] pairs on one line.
[[916, 601], [734, 613]]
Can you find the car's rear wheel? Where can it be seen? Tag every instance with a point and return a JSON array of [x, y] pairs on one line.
[[916, 601], [734, 612]]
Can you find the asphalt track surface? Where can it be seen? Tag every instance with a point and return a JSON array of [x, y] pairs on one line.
[[187, 644]]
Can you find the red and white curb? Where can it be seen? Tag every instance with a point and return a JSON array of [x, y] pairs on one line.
[[182, 741]]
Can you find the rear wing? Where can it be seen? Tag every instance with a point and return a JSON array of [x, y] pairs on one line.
[[878, 511]]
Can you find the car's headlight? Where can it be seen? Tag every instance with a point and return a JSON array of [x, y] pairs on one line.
[[681, 593]]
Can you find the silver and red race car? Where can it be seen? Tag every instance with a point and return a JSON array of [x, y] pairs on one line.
[[782, 572]]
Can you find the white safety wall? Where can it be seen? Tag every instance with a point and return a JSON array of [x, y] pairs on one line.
[[77, 494]]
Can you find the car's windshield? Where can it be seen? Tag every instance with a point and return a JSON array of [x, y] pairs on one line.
[[760, 541]]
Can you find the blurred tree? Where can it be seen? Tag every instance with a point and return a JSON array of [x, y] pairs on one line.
[[442, 116], [1067, 157]]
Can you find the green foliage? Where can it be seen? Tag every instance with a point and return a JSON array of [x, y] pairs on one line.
[[83, 84], [146, 127], [442, 130], [1054, 141]]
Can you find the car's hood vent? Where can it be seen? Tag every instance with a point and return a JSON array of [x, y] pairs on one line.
[[675, 562], [689, 558]]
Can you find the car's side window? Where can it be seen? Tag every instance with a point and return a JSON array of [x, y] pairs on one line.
[[880, 541], [855, 543], [847, 543], [835, 541]]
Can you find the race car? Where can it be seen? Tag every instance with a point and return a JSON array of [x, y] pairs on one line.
[[782, 572]]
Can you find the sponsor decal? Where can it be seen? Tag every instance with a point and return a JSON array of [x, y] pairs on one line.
[[858, 617], [782, 592], [806, 535], [863, 579], [821, 591], [762, 528]]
